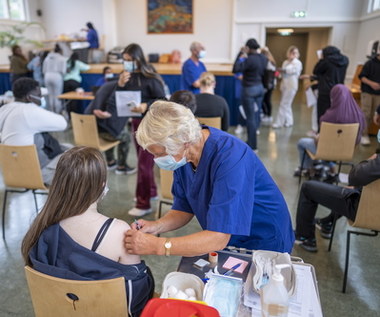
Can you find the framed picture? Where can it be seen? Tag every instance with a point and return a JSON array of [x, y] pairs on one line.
[[170, 16]]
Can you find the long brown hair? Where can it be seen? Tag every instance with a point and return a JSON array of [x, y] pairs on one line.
[[137, 54], [78, 182]]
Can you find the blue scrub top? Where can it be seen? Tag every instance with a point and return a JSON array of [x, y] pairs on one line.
[[232, 192], [92, 38], [190, 73]]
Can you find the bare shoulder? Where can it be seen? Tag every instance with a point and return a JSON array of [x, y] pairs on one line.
[[121, 225]]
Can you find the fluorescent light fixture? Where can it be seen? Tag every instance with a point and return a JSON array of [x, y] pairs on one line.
[[285, 32], [298, 14]]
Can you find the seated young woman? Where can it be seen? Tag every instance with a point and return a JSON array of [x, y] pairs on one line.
[[70, 239], [344, 109]]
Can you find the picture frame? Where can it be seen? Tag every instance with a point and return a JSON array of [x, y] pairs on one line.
[[170, 16]]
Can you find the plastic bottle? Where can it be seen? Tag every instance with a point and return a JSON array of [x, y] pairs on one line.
[[274, 295]]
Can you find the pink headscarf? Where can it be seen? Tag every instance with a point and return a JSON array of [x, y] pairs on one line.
[[344, 109]]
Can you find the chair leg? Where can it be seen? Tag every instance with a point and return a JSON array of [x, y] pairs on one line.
[[35, 200], [333, 231], [339, 169], [346, 264], [4, 208], [301, 168]]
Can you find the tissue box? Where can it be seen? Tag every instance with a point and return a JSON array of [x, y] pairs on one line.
[[183, 281]]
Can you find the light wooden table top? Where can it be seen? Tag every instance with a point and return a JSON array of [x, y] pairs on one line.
[[73, 95]]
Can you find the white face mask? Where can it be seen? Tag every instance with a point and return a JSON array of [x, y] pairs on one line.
[[109, 75], [129, 66], [41, 99], [202, 54], [169, 163]]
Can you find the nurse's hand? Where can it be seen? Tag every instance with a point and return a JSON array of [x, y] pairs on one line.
[[146, 226], [138, 242]]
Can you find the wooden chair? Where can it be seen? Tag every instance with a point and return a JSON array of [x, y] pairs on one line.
[[336, 143], [367, 217], [85, 132], [52, 296], [21, 169], [166, 182], [215, 122]]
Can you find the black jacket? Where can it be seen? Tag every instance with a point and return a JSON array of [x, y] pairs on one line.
[[330, 70], [365, 172], [253, 68], [371, 70]]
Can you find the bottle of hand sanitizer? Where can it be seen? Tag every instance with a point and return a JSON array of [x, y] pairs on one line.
[[274, 295]]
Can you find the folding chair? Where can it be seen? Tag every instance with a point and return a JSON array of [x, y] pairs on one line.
[[21, 169], [85, 132], [52, 296], [166, 182], [336, 143], [215, 122]]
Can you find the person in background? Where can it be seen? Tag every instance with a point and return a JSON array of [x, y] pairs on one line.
[[252, 64], [54, 68], [107, 76], [193, 68], [343, 201], [112, 128], [290, 70], [25, 122], [185, 98], [238, 77], [269, 82], [209, 104], [35, 65], [73, 79], [248, 212], [18, 64], [70, 239], [138, 75], [344, 109], [370, 95], [92, 36], [329, 71]]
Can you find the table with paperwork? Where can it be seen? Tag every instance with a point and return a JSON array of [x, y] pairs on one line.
[[305, 301]]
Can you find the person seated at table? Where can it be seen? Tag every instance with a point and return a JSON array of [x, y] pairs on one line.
[[185, 98], [111, 127], [344, 109], [209, 104], [108, 75], [54, 68], [343, 201], [219, 180], [18, 64], [70, 239], [73, 79], [192, 68], [25, 122]]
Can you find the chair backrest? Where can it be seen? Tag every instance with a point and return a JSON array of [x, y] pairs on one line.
[[368, 215], [215, 122], [21, 167], [85, 130], [166, 182], [58, 297], [337, 141]]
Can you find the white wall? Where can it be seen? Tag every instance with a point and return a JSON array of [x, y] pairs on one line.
[[211, 26]]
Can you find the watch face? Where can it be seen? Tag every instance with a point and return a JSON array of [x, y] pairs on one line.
[[168, 244]]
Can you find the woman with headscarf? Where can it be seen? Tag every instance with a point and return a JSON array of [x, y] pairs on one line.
[[344, 109]]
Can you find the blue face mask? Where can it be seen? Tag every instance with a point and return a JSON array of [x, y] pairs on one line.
[[41, 99], [202, 54], [169, 163], [109, 75], [129, 66], [378, 136]]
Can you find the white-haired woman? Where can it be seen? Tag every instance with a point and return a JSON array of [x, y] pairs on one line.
[[218, 179]]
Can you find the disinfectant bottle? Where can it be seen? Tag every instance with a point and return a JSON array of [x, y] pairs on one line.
[[274, 295]]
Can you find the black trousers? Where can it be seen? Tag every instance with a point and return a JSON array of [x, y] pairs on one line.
[[73, 105], [341, 200], [267, 103]]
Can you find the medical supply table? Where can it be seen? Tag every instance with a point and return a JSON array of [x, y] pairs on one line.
[[305, 302]]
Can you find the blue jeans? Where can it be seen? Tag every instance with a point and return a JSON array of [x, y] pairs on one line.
[[250, 96]]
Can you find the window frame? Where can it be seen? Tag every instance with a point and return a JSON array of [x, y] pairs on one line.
[[8, 11]]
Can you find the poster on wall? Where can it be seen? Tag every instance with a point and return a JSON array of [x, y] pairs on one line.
[[170, 16]]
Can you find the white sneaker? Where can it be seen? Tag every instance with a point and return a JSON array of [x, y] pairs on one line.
[[239, 129], [365, 140], [257, 132], [155, 198], [276, 126], [137, 212]]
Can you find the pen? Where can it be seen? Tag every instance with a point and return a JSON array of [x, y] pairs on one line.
[[138, 227], [229, 272]]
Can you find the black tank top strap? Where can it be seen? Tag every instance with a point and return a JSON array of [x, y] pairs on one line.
[[102, 232]]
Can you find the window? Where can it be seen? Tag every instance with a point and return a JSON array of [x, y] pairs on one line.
[[12, 9]]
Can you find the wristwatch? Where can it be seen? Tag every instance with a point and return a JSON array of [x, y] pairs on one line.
[[167, 246]]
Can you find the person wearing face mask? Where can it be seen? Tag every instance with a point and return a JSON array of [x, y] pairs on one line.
[[193, 68], [108, 75], [25, 122], [219, 180], [70, 224], [291, 70]]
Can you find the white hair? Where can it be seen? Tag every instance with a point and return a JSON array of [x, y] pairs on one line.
[[170, 125]]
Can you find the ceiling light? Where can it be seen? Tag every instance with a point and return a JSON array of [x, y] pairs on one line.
[[298, 14], [285, 32]]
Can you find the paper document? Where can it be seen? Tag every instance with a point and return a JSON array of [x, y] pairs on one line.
[[311, 100], [125, 101]]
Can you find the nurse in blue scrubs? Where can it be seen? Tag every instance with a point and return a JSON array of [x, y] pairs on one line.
[[219, 180]]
